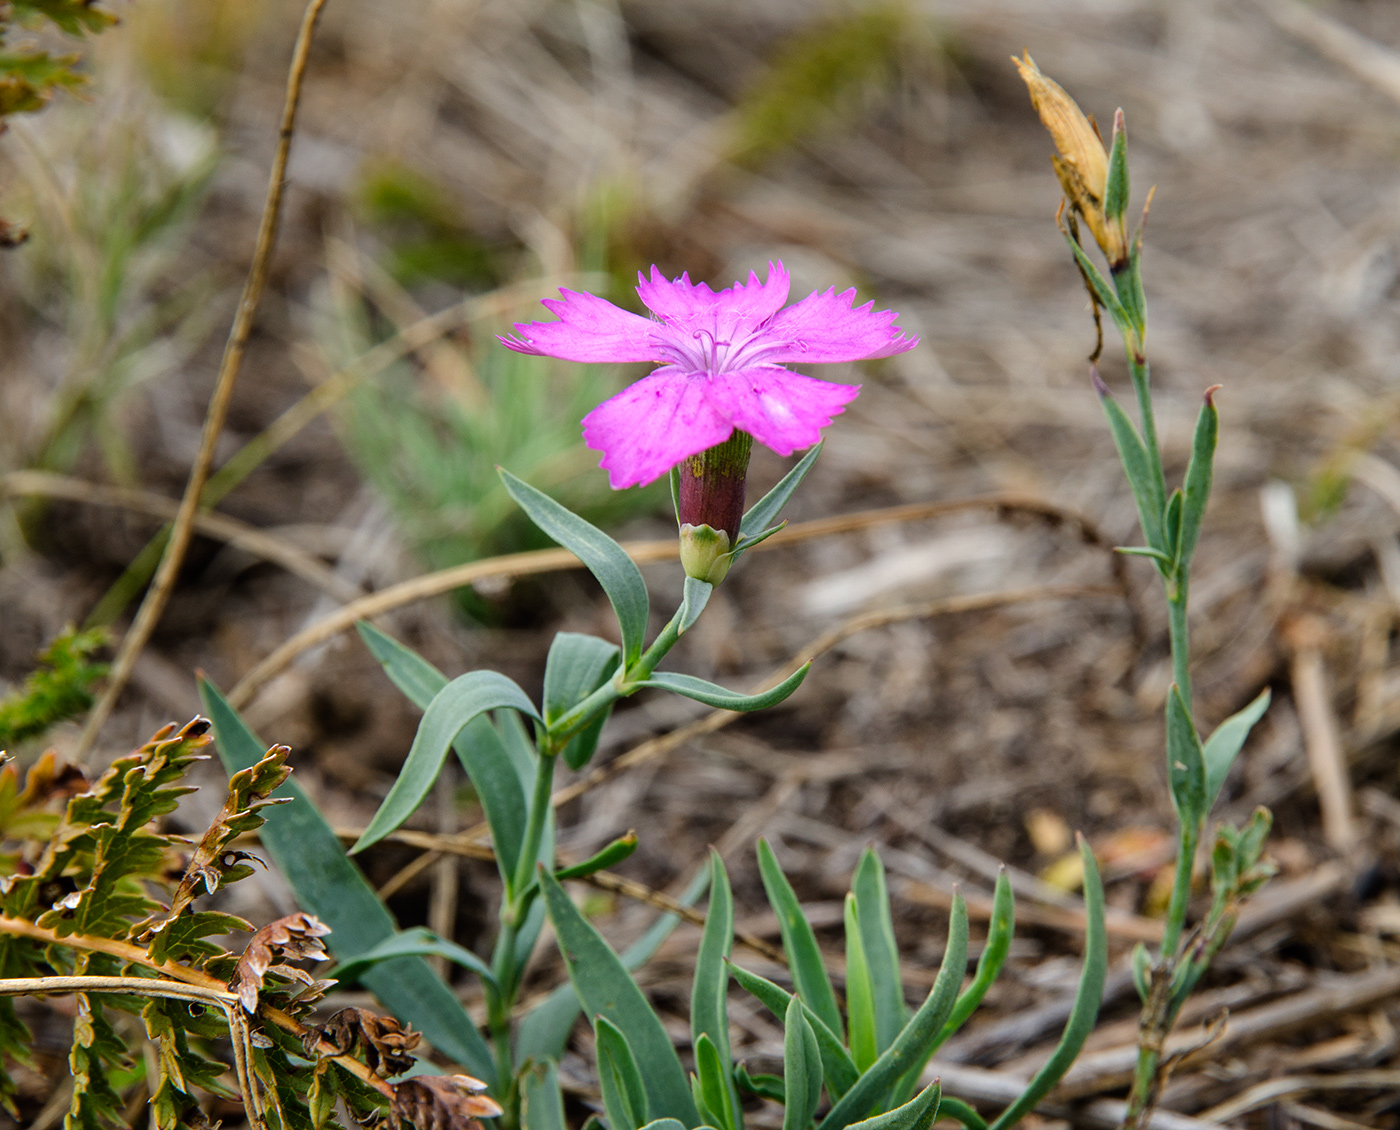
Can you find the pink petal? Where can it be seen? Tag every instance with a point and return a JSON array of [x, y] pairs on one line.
[[779, 408], [589, 329], [697, 306], [824, 327], [650, 426]]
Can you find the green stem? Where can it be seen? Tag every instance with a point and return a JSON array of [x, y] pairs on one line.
[[653, 655], [540, 808], [1181, 891], [1180, 636], [1142, 386]]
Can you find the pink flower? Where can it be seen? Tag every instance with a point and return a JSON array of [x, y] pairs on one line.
[[722, 359]]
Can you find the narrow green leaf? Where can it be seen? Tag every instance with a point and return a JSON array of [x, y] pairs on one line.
[[762, 512], [1143, 551], [420, 942], [614, 853], [664, 1124], [837, 1065], [746, 543], [1186, 766], [1115, 200], [881, 950], [802, 1069], [463, 700], [487, 752], [329, 885], [675, 480], [918, 1113], [603, 557], [764, 1086], [542, 1100], [711, 694], [911, 1045], [709, 1010], [949, 1107], [1138, 469], [860, 992], [1086, 1000], [1171, 527], [718, 1101], [545, 1030], [1103, 291], [624, 1096], [697, 595], [577, 666], [607, 989], [1223, 746], [1141, 967], [1199, 473], [804, 955], [999, 934]]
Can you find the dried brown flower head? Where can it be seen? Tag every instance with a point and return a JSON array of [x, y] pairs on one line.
[[1081, 162]]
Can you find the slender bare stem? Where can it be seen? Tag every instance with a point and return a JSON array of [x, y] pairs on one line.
[[182, 531]]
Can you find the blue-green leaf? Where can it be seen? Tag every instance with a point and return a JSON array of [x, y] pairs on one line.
[[613, 853], [956, 1109], [709, 994], [1199, 473], [1171, 526], [714, 1089], [419, 942], [802, 1069], [607, 989], [542, 1100], [484, 749], [603, 557], [465, 699], [1186, 766], [545, 1030], [1223, 746], [624, 1097], [1086, 1000], [999, 935], [910, 1047], [881, 951], [918, 1113], [1115, 199], [711, 694], [329, 885], [577, 666], [762, 512], [1142, 479], [697, 595], [804, 955], [1103, 291], [860, 992], [839, 1068]]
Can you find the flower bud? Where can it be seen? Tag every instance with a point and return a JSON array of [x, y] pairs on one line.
[[710, 506], [1082, 162], [705, 553]]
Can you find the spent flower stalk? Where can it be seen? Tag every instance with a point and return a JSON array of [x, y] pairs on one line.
[[1096, 190]]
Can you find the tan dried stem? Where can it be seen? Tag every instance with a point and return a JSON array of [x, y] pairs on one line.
[[643, 552], [182, 531]]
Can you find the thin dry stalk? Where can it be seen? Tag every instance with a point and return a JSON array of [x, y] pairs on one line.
[[1321, 735], [643, 552], [47, 484], [182, 530]]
